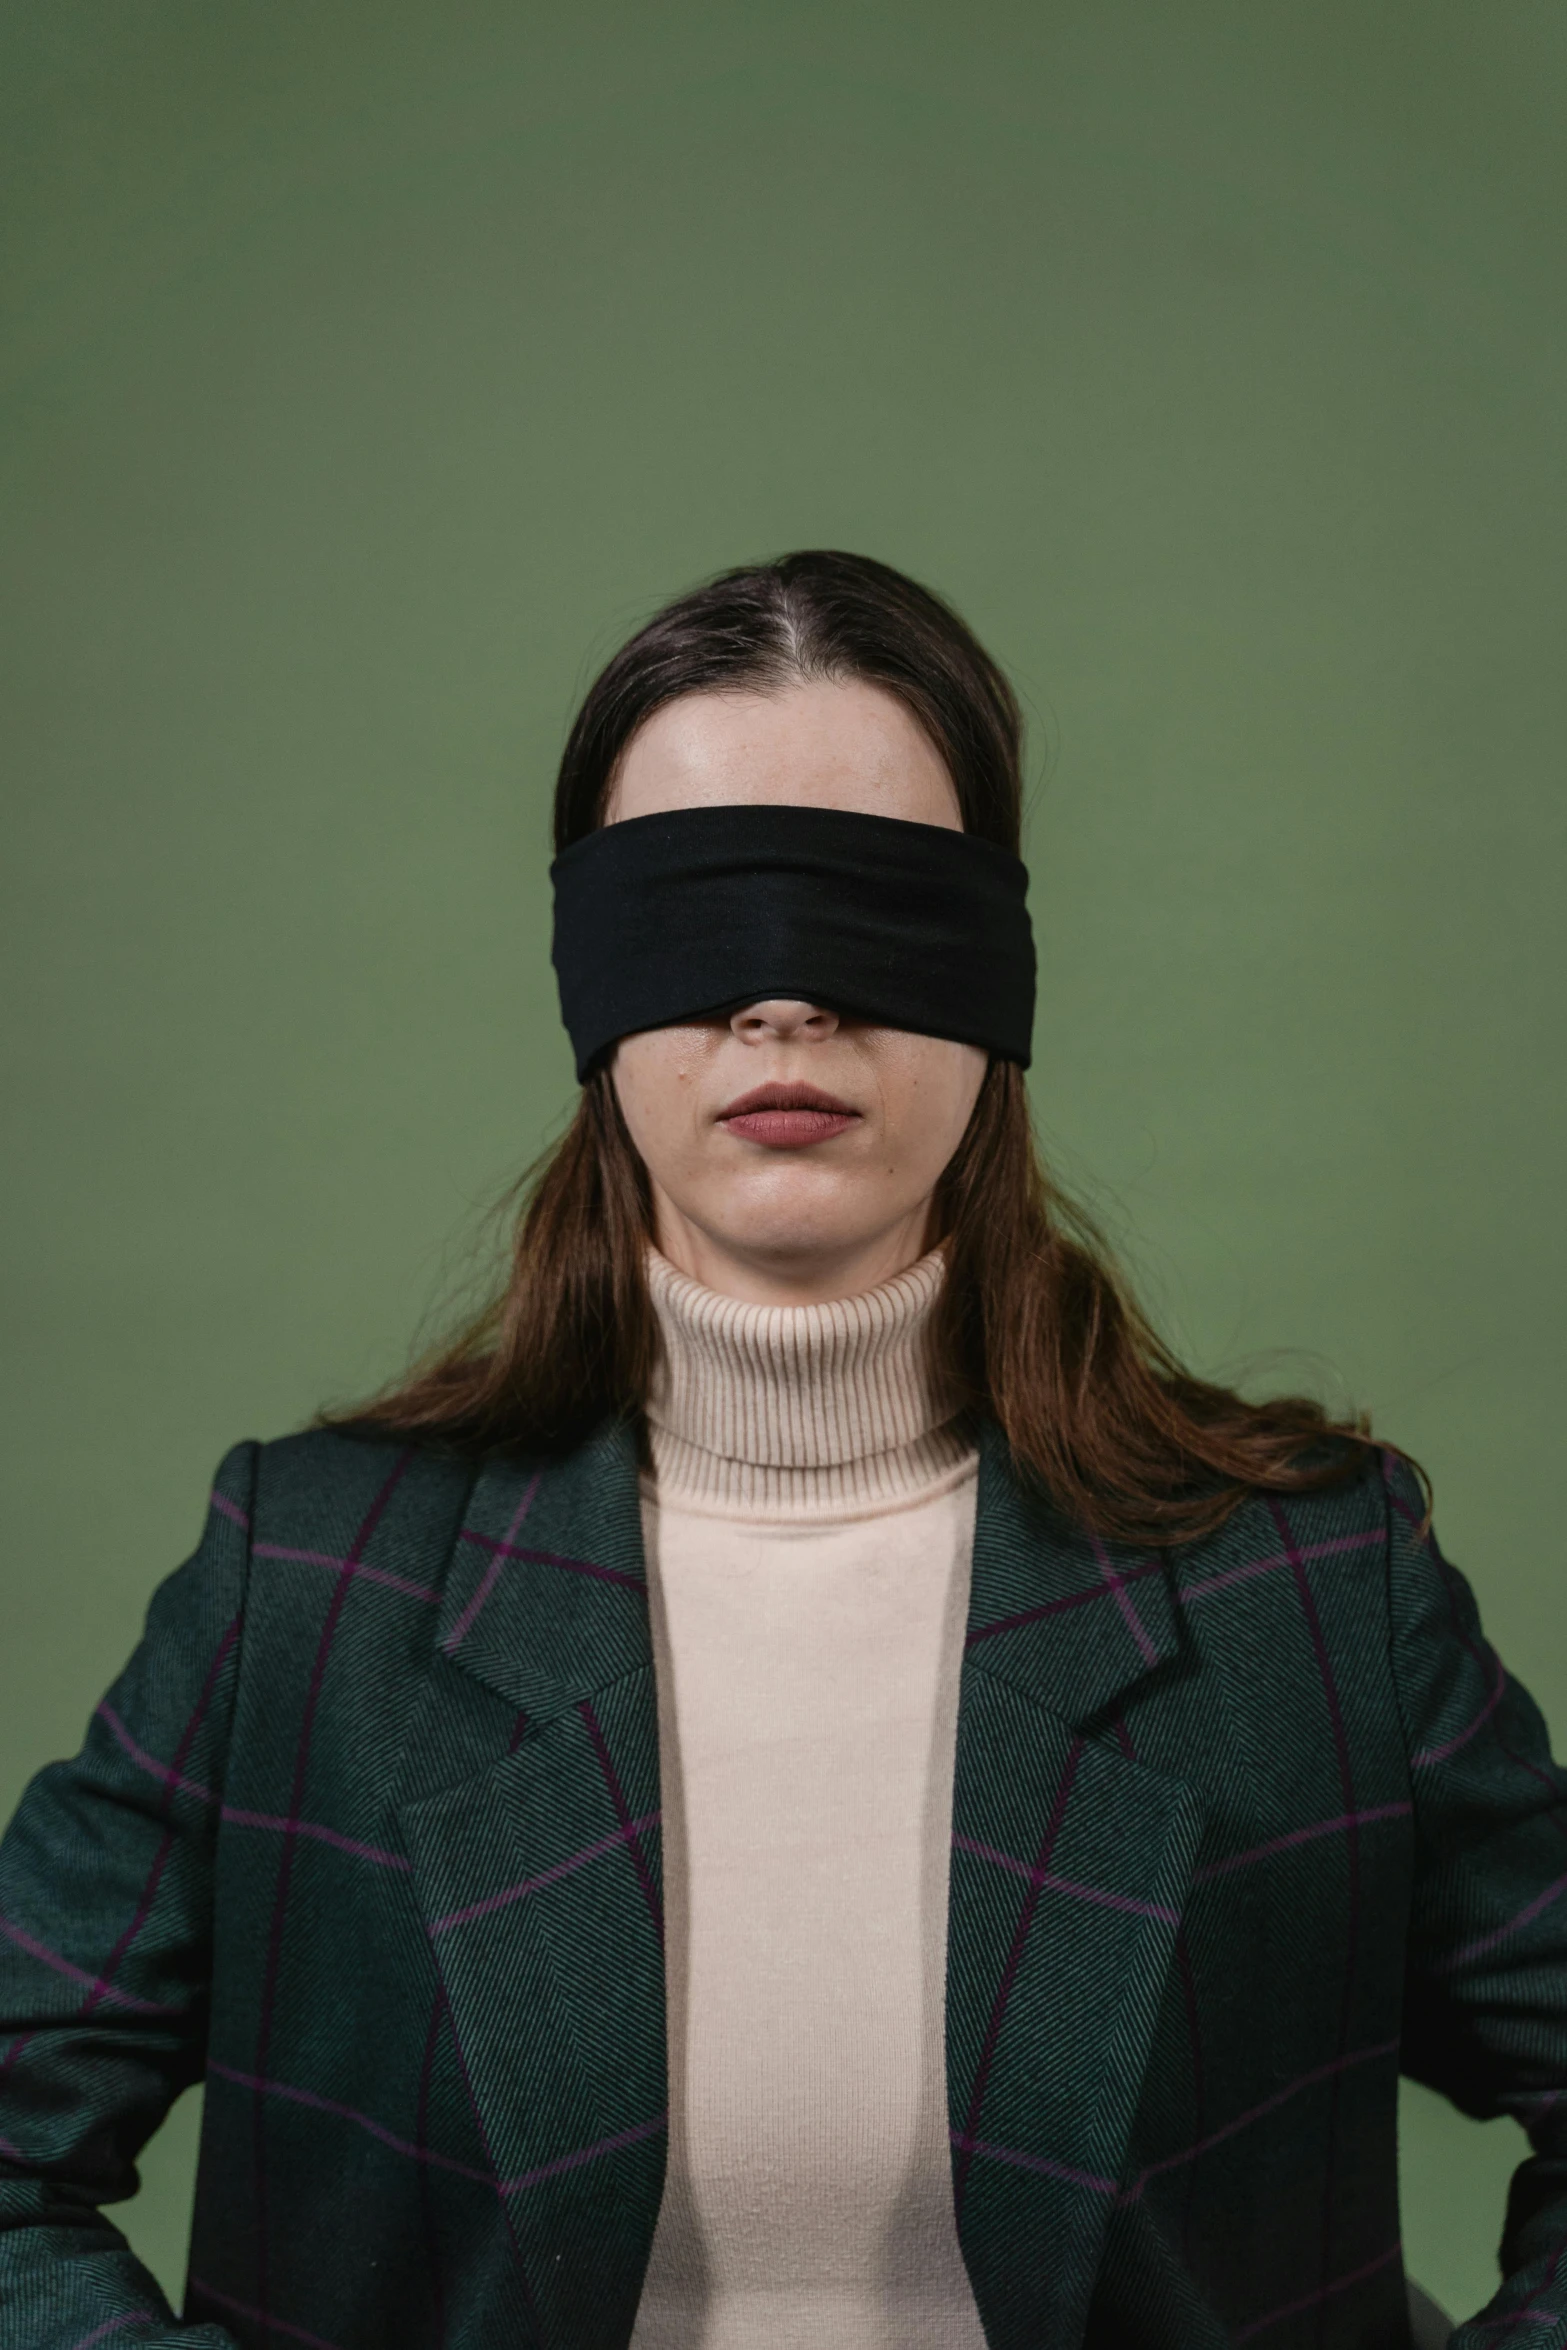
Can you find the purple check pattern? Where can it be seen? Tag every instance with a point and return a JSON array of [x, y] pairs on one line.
[[367, 1834]]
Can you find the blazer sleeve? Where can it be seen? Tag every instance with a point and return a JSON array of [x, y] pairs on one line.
[[1485, 2017], [105, 1948]]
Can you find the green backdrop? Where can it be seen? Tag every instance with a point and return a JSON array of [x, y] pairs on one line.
[[368, 369]]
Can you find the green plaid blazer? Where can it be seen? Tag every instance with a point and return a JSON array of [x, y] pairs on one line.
[[367, 1835]]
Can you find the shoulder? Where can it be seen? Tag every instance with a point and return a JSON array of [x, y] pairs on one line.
[[350, 1543], [339, 1489], [1328, 1543], [1351, 1499], [1292, 1606]]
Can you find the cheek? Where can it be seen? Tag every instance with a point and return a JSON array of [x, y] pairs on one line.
[[656, 1076], [929, 1086]]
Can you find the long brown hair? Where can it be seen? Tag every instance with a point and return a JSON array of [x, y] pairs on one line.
[[1035, 1324]]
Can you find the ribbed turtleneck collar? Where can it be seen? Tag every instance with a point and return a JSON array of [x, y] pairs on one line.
[[783, 1408]]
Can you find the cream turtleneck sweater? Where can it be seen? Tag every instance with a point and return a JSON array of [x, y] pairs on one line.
[[809, 1529]]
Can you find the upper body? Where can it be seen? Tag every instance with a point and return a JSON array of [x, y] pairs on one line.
[[369, 1833], [803, 1779]]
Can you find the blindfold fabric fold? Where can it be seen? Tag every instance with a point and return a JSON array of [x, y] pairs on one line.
[[700, 910]]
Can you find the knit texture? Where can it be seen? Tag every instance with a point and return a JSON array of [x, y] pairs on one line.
[[797, 1407], [808, 1535]]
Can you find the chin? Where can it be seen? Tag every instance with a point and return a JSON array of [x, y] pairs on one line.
[[798, 1212], [796, 1243]]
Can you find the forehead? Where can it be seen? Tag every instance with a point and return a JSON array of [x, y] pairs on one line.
[[826, 743]]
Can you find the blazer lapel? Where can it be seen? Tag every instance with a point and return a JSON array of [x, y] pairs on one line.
[[1069, 1867], [540, 1881]]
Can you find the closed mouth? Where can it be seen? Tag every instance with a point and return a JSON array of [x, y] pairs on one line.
[[787, 1117]]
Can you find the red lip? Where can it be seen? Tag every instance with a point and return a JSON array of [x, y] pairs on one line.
[[787, 1117]]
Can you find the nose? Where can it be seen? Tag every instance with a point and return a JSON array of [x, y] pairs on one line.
[[783, 1020]]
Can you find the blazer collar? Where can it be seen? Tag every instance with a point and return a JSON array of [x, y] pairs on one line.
[[546, 1599], [1065, 1618]]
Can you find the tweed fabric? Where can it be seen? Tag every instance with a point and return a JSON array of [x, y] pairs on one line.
[[367, 1832]]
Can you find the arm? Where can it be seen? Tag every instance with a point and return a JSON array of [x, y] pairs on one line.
[[1486, 2001], [105, 1945]]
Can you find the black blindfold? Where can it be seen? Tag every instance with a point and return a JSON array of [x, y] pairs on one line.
[[700, 910]]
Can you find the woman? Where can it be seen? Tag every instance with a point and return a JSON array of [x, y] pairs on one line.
[[802, 1782]]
